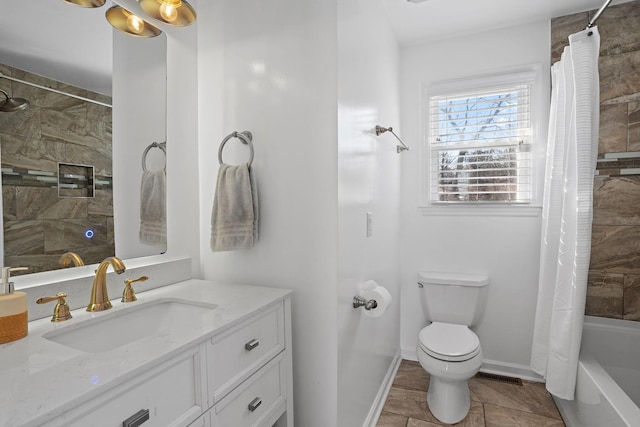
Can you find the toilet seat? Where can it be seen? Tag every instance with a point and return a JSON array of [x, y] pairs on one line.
[[449, 342]]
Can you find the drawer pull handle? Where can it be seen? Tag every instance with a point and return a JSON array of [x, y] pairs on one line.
[[254, 404], [251, 345], [137, 419]]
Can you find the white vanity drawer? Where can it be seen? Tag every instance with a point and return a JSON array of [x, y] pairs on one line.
[[203, 420], [172, 393], [236, 354], [258, 402]]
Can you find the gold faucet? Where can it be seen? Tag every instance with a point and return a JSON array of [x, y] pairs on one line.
[[69, 258], [129, 295], [62, 311], [99, 296]]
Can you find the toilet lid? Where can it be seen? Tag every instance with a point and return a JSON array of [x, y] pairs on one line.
[[446, 341]]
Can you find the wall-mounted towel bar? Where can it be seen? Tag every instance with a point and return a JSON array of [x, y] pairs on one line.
[[245, 137], [160, 145], [399, 148]]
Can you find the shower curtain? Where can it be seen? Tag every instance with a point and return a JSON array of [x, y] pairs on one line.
[[567, 213]]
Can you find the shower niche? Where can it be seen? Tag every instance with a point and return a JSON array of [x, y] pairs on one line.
[[76, 180]]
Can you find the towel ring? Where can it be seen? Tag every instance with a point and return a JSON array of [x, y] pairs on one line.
[[160, 145], [245, 137]]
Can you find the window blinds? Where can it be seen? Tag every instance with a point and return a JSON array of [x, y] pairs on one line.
[[480, 145]]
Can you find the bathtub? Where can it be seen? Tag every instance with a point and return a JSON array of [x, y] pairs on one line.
[[608, 381]]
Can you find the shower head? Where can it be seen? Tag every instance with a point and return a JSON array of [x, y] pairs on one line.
[[12, 104]]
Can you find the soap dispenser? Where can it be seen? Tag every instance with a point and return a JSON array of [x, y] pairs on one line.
[[13, 309]]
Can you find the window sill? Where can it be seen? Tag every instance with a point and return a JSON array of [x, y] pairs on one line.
[[476, 210]]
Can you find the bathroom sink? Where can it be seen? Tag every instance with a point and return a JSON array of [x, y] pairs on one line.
[[119, 328]]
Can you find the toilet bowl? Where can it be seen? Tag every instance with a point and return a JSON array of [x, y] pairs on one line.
[[447, 349], [451, 354]]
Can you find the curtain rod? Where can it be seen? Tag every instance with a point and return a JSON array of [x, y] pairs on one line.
[[593, 20], [82, 98]]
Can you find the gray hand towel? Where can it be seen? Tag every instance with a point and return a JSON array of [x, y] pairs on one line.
[[153, 208], [234, 219]]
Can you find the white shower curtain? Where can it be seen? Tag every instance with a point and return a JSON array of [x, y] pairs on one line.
[[567, 213]]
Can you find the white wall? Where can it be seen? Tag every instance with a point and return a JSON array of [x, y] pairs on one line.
[[504, 247], [139, 118], [368, 181], [270, 68], [181, 136]]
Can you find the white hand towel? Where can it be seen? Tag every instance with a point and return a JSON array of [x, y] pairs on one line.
[[153, 208], [234, 219]]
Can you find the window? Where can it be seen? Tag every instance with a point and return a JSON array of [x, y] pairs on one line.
[[480, 144]]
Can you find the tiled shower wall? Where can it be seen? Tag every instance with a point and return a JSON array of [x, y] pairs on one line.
[[614, 276], [39, 225]]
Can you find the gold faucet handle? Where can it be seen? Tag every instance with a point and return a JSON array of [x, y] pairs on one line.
[[129, 295], [61, 312]]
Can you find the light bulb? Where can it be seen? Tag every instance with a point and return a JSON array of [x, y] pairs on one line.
[[135, 24], [168, 12]]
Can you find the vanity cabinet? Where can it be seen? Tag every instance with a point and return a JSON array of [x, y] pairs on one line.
[[238, 377], [172, 392]]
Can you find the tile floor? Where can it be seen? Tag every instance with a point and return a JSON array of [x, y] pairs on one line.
[[493, 403]]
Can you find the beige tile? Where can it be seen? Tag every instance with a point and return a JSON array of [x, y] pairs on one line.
[[61, 127], [23, 237], [632, 298], [614, 124], [98, 157], [618, 28], [634, 126], [616, 201], [68, 234], [413, 404], [561, 28], [475, 417], [604, 294], [615, 249], [419, 423], [410, 375], [101, 204], [530, 397], [496, 416], [30, 153], [110, 231], [42, 99], [9, 212], [95, 254], [618, 78], [391, 420], [98, 112], [24, 123], [5, 84], [44, 203], [410, 403]]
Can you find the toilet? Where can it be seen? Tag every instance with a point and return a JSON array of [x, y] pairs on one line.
[[447, 349]]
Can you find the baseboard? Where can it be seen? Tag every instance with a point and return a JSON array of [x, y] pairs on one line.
[[409, 354], [383, 392], [494, 367], [510, 370]]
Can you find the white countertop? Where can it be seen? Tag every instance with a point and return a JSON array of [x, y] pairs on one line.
[[40, 379]]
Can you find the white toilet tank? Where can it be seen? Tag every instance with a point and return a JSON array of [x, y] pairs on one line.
[[453, 297]]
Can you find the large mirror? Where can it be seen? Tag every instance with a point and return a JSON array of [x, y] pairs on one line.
[[73, 178]]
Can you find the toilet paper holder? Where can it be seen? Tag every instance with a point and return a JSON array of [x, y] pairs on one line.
[[361, 302]]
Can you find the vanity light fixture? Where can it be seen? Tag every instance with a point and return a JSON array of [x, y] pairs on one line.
[[87, 3], [129, 23], [178, 13]]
